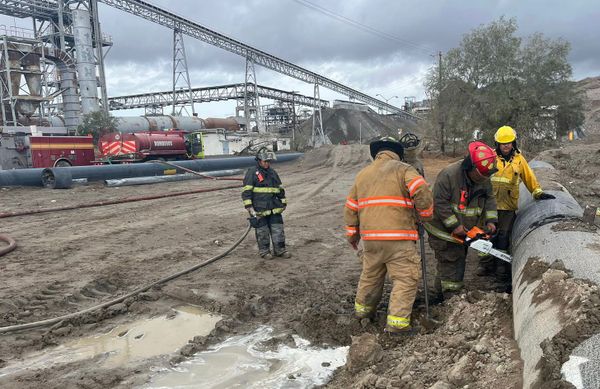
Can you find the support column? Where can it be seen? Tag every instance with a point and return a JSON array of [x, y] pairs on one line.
[[318, 137], [251, 102], [86, 62]]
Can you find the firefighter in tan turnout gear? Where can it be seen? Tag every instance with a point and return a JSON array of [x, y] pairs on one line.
[[463, 198], [381, 210], [264, 199]]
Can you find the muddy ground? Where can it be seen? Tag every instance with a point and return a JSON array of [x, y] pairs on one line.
[[70, 260]]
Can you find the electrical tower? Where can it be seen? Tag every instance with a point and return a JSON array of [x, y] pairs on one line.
[[318, 137], [181, 75], [251, 101]]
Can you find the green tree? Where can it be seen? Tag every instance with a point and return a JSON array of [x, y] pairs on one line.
[[495, 78], [97, 124]]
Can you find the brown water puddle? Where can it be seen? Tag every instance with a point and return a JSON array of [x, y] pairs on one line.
[[126, 343]]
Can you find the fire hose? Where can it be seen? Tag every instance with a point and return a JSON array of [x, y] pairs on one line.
[[11, 244], [47, 322]]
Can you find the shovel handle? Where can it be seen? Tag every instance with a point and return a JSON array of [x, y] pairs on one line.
[[423, 266]]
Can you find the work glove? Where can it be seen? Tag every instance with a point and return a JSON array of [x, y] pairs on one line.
[[251, 212], [490, 228], [353, 240], [460, 231], [253, 220], [545, 196]]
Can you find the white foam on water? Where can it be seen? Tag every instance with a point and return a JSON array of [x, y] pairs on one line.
[[241, 362]]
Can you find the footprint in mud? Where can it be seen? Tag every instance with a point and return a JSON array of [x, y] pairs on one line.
[[99, 288]]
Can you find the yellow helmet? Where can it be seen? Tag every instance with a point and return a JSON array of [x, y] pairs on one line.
[[505, 134]]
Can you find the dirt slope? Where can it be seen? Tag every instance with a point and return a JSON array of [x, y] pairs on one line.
[[71, 260], [350, 126]]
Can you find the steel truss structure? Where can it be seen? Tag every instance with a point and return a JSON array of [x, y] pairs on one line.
[[172, 21], [208, 94]]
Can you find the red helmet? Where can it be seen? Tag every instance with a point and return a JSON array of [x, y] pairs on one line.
[[482, 157]]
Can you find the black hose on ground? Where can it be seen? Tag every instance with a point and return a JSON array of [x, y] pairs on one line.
[[11, 244], [47, 322]]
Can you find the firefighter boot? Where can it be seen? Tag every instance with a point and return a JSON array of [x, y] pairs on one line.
[[284, 255], [503, 272], [486, 267], [401, 332], [451, 288]]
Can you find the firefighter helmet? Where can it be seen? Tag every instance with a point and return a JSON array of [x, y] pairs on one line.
[[386, 143], [266, 155], [410, 140], [482, 157], [505, 134]]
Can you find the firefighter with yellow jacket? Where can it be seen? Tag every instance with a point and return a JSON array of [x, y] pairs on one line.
[[512, 169], [463, 199], [381, 210]]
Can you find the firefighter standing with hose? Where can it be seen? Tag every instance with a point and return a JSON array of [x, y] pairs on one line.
[[380, 210], [264, 199], [463, 199], [512, 169]]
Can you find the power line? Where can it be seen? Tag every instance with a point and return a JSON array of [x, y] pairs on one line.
[[361, 26]]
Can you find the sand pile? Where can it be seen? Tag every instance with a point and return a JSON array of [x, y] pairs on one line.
[[352, 126]]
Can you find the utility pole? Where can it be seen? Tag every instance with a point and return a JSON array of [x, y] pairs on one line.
[[442, 135], [360, 133]]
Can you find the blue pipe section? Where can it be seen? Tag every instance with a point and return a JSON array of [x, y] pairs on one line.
[[33, 177]]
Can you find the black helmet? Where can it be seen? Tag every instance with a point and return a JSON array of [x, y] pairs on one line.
[[410, 140], [386, 143]]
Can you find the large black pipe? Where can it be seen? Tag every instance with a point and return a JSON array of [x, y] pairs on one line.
[[33, 177]]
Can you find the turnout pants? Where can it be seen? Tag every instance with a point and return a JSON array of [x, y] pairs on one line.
[[451, 261], [506, 219], [270, 228], [401, 261]]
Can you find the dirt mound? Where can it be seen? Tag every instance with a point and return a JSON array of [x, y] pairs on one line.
[[334, 156], [591, 89], [472, 347], [579, 170], [351, 126]]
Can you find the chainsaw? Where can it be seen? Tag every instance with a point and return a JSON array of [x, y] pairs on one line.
[[479, 240]]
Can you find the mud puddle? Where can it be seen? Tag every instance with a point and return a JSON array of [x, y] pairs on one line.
[[257, 360], [126, 343]]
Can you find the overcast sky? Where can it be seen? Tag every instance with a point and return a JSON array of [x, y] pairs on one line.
[[140, 60]]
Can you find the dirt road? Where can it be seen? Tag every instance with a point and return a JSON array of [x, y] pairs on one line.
[[74, 259]]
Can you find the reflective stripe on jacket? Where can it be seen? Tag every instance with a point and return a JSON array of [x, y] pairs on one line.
[[384, 201], [477, 208], [263, 191], [506, 181]]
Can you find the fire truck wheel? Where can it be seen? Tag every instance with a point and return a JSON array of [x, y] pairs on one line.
[[62, 163]]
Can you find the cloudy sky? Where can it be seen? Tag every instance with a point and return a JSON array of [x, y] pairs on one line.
[[380, 47]]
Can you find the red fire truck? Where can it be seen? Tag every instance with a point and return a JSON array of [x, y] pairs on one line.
[[143, 146], [23, 151]]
